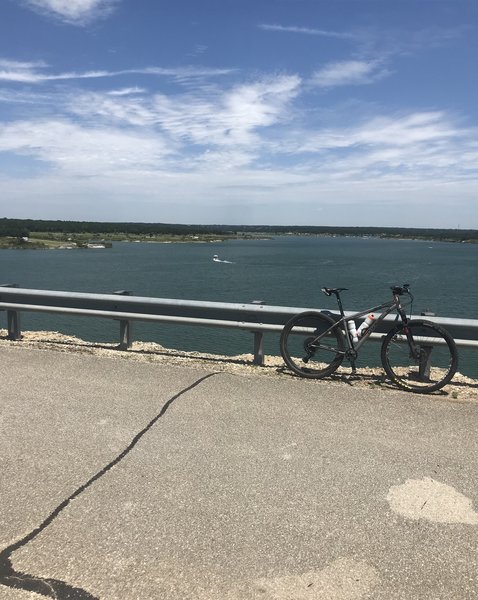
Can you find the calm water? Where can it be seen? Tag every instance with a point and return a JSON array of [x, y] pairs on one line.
[[285, 271]]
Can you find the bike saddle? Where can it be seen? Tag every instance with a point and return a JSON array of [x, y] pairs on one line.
[[330, 291]]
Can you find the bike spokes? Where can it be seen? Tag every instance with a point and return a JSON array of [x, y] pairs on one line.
[[311, 346], [420, 357]]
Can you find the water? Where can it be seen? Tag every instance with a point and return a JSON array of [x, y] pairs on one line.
[[287, 270]]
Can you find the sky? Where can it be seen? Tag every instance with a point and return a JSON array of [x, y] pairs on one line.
[[274, 112]]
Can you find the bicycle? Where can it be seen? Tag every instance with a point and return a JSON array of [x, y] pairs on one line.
[[417, 355]]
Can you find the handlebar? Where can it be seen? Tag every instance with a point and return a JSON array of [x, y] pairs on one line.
[[399, 290]]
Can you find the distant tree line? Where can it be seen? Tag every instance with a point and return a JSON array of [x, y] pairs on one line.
[[13, 227], [22, 227]]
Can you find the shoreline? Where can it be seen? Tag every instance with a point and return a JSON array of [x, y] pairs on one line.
[[51, 244], [39, 243]]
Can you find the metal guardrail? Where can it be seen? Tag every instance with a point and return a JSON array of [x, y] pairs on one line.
[[254, 317]]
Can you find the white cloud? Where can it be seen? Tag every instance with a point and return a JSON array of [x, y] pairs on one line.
[[218, 117], [113, 109], [199, 49], [232, 118], [76, 12], [35, 72], [122, 136], [416, 147], [22, 72], [414, 128], [260, 143], [367, 39], [348, 72], [307, 31], [127, 91], [100, 132], [16, 64], [397, 132], [81, 150], [235, 127]]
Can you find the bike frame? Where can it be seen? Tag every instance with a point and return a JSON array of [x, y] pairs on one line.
[[386, 309]]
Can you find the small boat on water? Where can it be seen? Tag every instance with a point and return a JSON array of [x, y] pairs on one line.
[[216, 258]]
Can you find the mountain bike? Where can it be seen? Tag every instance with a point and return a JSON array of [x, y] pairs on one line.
[[417, 355]]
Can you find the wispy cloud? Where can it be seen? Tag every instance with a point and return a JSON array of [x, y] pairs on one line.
[[84, 150], [74, 12], [349, 72], [370, 41], [24, 72], [251, 125], [230, 117], [36, 72], [199, 49], [260, 141], [111, 109], [127, 91], [418, 145], [125, 130], [307, 31]]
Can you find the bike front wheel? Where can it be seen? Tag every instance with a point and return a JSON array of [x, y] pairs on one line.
[[419, 356], [311, 346]]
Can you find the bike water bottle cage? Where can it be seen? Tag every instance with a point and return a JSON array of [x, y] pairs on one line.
[[330, 291], [400, 289]]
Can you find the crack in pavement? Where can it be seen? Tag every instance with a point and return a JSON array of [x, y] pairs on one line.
[[54, 588]]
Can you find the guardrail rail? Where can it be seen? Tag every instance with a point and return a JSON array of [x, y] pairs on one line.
[[254, 317]]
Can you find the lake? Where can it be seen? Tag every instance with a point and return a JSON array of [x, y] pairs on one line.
[[285, 270]]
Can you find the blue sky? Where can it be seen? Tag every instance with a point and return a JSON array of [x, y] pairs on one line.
[[290, 112]]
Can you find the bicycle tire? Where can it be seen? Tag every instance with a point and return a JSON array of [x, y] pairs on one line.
[[434, 363], [295, 340]]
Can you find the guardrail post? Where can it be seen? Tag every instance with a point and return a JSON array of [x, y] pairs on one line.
[[13, 318], [259, 348], [13, 325], [126, 337], [258, 342], [425, 362]]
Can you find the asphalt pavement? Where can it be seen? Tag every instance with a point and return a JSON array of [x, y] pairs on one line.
[[126, 480]]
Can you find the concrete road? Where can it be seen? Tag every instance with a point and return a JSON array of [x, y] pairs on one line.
[[128, 480]]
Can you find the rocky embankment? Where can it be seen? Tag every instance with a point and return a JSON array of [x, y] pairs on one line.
[[461, 389]]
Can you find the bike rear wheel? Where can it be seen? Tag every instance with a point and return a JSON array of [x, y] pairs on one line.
[[419, 356], [305, 352]]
